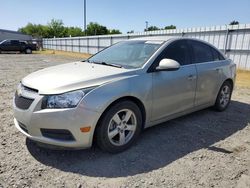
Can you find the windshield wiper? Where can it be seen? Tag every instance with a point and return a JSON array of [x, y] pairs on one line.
[[111, 64], [104, 63]]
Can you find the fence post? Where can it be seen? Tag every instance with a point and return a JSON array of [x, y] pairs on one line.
[[98, 44], [66, 45], [60, 42], [226, 41], [88, 45], [79, 42]]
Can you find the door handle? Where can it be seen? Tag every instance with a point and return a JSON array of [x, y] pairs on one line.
[[191, 77]]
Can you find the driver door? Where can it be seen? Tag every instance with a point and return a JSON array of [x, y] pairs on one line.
[[174, 91]]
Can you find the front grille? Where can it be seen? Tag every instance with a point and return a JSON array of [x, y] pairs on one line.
[[58, 134], [23, 127], [22, 102]]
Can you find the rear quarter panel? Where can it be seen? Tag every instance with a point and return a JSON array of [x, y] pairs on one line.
[[228, 70]]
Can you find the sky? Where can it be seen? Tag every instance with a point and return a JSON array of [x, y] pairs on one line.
[[125, 15]]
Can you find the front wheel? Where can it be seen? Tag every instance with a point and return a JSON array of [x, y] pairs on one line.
[[28, 51], [119, 127], [224, 96]]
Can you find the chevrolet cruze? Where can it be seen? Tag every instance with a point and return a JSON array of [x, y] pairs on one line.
[[115, 94]]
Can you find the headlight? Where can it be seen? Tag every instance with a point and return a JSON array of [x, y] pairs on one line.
[[65, 100]]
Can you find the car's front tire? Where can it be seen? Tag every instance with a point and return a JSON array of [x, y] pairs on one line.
[[28, 51], [224, 96], [119, 127]]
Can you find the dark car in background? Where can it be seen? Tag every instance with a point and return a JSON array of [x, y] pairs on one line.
[[16, 45]]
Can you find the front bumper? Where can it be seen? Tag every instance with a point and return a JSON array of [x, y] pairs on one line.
[[33, 120]]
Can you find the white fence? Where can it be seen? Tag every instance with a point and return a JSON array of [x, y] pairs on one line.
[[234, 41]]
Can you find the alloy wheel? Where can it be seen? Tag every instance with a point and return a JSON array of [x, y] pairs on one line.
[[122, 127], [224, 96]]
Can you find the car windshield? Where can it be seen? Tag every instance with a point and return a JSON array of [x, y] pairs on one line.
[[129, 54]]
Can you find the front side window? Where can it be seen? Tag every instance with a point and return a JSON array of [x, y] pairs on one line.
[[129, 54], [202, 52], [179, 52]]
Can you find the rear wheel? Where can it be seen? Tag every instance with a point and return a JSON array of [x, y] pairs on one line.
[[119, 127], [224, 96]]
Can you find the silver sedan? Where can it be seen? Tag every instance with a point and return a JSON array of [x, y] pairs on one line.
[[121, 90]]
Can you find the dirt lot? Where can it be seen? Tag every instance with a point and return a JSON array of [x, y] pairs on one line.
[[204, 149]]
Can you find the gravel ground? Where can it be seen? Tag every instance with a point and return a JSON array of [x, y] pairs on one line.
[[203, 149]]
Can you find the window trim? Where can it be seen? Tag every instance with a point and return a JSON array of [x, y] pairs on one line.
[[211, 49], [153, 66], [193, 52]]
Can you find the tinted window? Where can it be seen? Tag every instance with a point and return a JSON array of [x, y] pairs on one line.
[[217, 55], [7, 42], [179, 52], [202, 52], [14, 42]]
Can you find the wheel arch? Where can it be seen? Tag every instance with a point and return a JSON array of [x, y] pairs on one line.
[[134, 99], [230, 80]]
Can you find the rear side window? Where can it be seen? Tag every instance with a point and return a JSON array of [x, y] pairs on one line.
[[202, 52], [179, 52], [217, 55]]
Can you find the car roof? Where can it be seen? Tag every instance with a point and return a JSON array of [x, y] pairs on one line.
[[171, 39], [167, 38]]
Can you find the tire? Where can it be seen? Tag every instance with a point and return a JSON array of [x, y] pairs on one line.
[[224, 96], [28, 51], [119, 127]]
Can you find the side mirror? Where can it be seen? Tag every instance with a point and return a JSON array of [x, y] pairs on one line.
[[168, 64]]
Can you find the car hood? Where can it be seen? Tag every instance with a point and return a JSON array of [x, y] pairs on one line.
[[73, 76]]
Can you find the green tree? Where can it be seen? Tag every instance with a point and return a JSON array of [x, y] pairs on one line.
[[152, 28], [130, 32], [114, 31], [56, 28], [73, 31], [234, 23], [94, 28], [35, 30], [170, 27]]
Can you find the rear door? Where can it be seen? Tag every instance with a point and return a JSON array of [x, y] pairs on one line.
[[174, 91], [208, 72]]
